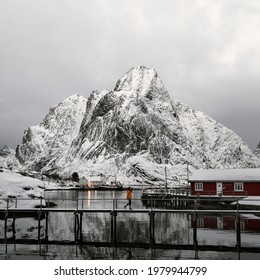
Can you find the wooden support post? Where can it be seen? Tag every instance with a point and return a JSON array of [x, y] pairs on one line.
[[113, 227], [151, 227], [194, 221], [76, 227], [195, 240], [238, 231], [80, 227], [6, 218], [115, 231], [39, 226], [46, 226], [13, 226]]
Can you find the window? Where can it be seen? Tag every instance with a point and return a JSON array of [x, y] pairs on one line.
[[198, 186], [238, 186]]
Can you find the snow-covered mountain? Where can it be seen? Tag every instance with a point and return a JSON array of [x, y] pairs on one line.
[[7, 158], [45, 143], [257, 150], [132, 132], [6, 151]]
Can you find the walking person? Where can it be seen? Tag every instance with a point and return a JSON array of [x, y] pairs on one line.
[[129, 196]]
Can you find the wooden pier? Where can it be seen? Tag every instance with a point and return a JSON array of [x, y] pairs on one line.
[[172, 198], [42, 215]]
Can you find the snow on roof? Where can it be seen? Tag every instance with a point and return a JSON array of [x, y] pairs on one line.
[[245, 174], [94, 178]]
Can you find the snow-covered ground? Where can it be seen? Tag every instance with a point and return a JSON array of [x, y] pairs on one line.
[[21, 191]]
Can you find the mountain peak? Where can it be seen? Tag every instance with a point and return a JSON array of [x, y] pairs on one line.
[[142, 82], [134, 132]]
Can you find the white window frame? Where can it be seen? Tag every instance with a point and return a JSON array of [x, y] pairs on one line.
[[238, 186], [198, 186]]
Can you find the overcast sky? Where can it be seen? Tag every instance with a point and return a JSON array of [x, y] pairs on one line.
[[206, 52]]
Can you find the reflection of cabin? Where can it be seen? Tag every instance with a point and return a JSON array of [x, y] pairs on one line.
[[91, 181], [226, 182], [227, 223]]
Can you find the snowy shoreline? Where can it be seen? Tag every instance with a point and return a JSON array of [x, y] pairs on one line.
[[17, 190]]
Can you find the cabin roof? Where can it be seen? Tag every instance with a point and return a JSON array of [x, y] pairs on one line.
[[94, 178], [222, 175]]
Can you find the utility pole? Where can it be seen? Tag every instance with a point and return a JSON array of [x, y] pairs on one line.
[[166, 178], [188, 172]]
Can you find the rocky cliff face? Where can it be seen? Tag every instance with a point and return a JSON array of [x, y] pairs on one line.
[[132, 132], [45, 143], [7, 158], [257, 150]]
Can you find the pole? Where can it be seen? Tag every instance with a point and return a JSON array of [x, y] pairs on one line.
[[238, 231], [151, 227], [195, 241], [46, 225], [6, 217], [80, 227], [166, 178], [39, 229], [187, 172], [13, 226], [113, 227]]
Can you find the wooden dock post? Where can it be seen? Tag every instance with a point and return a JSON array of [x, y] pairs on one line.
[[151, 227], [39, 226], [76, 226], [80, 226], [111, 227], [6, 217], [46, 226], [238, 231], [195, 240], [113, 234], [13, 226]]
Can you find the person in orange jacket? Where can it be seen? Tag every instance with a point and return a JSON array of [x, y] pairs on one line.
[[129, 196]]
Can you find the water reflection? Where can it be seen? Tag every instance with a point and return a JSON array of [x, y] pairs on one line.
[[132, 229]]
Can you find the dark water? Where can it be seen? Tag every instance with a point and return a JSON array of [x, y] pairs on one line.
[[131, 229]]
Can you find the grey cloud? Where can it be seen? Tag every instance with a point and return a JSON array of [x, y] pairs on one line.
[[206, 53]]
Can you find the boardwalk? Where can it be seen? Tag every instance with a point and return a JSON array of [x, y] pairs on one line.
[[42, 215]]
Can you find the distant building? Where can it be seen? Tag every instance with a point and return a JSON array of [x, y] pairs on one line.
[[226, 182], [91, 181]]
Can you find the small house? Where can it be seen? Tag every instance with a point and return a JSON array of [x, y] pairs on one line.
[[226, 182], [95, 181]]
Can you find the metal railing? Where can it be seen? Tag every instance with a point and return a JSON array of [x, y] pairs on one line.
[[79, 209]]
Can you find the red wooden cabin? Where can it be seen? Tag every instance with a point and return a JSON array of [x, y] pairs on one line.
[[226, 182]]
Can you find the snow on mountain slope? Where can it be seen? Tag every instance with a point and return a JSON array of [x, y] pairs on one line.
[[132, 132], [8, 159], [257, 150], [47, 141]]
